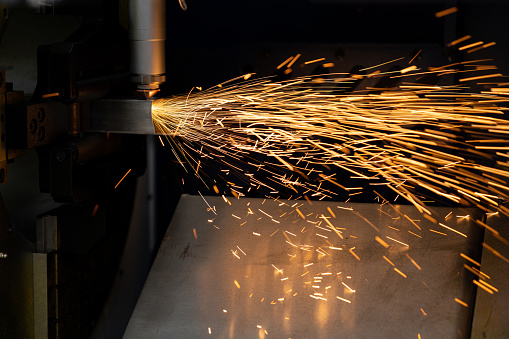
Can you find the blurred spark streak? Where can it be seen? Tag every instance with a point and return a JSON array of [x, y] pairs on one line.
[[385, 63], [401, 273], [462, 303], [488, 285], [452, 229], [383, 243], [483, 287], [351, 290], [446, 12], [352, 252], [125, 175], [390, 262], [284, 62], [492, 250], [343, 299], [464, 256], [399, 242], [413, 261], [315, 297], [457, 41], [313, 61], [415, 56]]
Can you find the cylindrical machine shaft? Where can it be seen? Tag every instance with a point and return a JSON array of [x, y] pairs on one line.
[[147, 34]]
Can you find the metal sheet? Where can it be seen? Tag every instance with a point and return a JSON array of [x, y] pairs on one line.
[[207, 281], [121, 116], [490, 316]]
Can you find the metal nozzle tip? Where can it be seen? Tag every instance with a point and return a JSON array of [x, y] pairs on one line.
[[147, 94]]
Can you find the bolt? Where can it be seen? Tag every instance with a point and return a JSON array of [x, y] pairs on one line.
[[41, 134], [33, 126], [3, 255]]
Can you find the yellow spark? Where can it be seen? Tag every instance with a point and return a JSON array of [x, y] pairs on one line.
[[319, 298], [471, 45], [402, 274], [300, 213], [343, 299], [385, 63], [462, 303], [383, 243], [293, 61], [94, 211], [489, 44], [352, 252], [488, 285], [313, 61], [417, 235], [492, 250], [483, 286], [390, 262], [457, 41], [415, 56], [446, 12], [351, 290], [236, 283], [481, 77], [125, 175], [476, 271], [399, 242], [464, 256], [284, 62], [413, 262], [452, 229], [408, 69]]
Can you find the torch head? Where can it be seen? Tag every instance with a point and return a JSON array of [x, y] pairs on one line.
[[147, 35]]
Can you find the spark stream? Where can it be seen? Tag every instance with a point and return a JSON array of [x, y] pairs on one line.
[[443, 140]]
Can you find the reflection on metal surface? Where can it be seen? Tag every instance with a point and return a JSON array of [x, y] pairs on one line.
[[292, 282]]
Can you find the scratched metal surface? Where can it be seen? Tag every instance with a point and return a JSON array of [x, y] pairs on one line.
[[192, 281], [490, 317]]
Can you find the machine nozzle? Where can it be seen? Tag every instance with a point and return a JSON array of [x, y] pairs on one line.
[[147, 34]]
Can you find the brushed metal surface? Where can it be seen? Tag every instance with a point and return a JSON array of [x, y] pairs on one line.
[[490, 316], [121, 116], [207, 281]]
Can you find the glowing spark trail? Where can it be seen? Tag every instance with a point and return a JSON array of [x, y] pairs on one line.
[[406, 136]]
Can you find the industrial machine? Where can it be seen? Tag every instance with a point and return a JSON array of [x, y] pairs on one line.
[[88, 191]]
